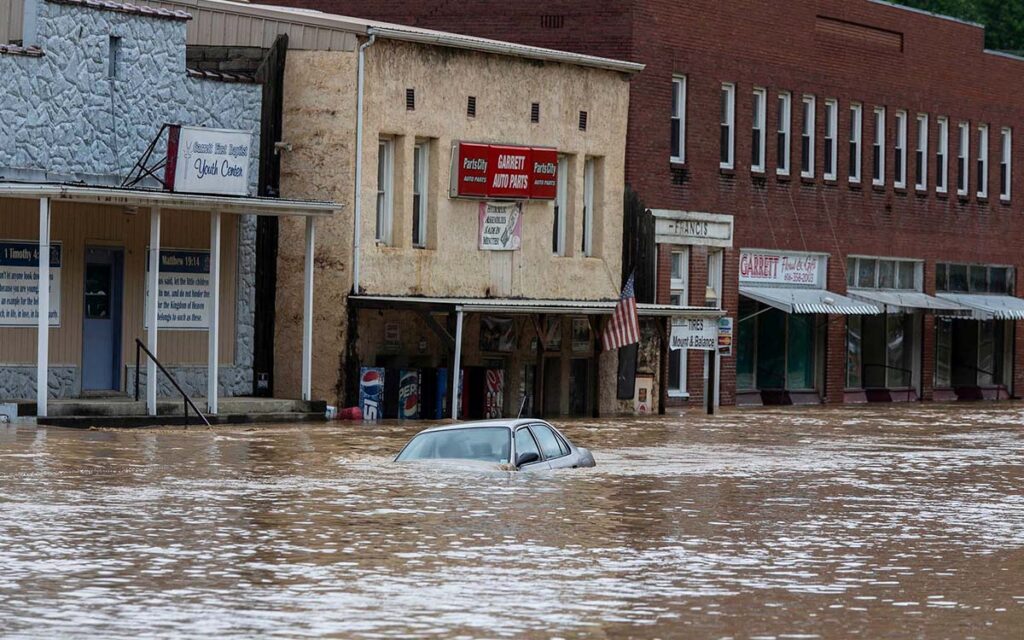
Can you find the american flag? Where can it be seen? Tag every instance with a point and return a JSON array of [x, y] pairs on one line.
[[624, 328]]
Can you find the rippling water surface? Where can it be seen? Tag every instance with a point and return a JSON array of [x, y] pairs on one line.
[[868, 522]]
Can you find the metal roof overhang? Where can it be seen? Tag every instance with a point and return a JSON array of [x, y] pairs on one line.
[[114, 196], [511, 305], [808, 301], [909, 302], [988, 307]]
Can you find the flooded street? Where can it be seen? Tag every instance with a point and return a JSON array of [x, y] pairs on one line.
[[859, 522]]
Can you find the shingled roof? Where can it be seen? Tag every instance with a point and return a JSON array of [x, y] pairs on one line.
[[14, 50], [123, 7]]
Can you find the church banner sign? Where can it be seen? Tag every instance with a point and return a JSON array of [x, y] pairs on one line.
[[19, 283]]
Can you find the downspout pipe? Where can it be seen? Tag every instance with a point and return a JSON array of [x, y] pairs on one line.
[[357, 236]]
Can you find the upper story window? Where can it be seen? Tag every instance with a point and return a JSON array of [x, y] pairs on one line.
[[561, 206], [921, 154], [678, 141], [983, 161], [589, 175], [1006, 164], [727, 126], [785, 120], [385, 189], [942, 155], [807, 139], [757, 142], [878, 149], [974, 278], [963, 159], [900, 170], [677, 278], [420, 173], [831, 130], [856, 137], [865, 272]]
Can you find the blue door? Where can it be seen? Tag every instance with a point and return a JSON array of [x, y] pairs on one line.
[[101, 331]]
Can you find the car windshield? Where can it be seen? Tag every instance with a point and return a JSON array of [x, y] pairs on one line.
[[488, 444]]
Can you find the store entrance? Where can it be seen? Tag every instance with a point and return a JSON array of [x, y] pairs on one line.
[[883, 356], [776, 356], [973, 358]]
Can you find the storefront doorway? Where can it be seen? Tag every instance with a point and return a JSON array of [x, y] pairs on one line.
[[973, 358], [101, 330], [776, 354], [883, 356]]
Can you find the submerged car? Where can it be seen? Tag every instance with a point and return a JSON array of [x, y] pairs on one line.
[[515, 445]]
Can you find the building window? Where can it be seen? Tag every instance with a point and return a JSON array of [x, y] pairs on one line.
[[561, 205], [783, 129], [588, 207], [678, 296], [983, 161], [900, 179], [716, 264], [420, 172], [385, 192], [878, 149], [758, 134], [942, 155], [113, 56], [1006, 164], [831, 131], [883, 273], [678, 141], [856, 136], [921, 155], [807, 139], [974, 278], [963, 160], [727, 126]]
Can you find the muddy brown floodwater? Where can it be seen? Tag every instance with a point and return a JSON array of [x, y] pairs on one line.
[[880, 522]]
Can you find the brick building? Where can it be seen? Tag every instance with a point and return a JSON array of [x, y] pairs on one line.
[[862, 149]]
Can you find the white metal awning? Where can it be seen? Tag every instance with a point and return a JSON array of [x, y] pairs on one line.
[[809, 301], [909, 302], [988, 307], [516, 305]]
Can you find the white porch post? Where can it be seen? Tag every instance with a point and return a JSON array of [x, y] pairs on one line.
[[43, 345], [307, 312], [214, 311], [456, 364], [152, 306]]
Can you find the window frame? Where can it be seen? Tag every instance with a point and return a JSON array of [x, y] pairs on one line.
[[831, 139], [679, 114], [1006, 164], [899, 180], [921, 152], [681, 287], [759, 124], [963, 158], [421, 190], [785, 121], [385, 192], [853, 263], [983, 150], [878, 148], [727, 120], [856, 142], [807, 132], [942, 168], [589, 171]]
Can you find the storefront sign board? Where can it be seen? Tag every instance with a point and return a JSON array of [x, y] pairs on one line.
[[505, 172], [19, 283], [184, 289], [211, 161], [692, 228], [501, 226], [773, 268], [698, 334]]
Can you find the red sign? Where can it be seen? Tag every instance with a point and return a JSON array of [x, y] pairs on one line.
[[504, 172]]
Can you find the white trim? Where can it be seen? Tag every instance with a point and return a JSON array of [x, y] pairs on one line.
[[729, 120], [983, 160], [588, 206], [152, 309], [807, 130], [1006, 158], [213, 333], [785, 119], [385, 209], [943, 152], [307, 311], [759, 125], [963, 152], [832, 124], [561, 203], [921, 152], [679, 95], [878, 148], [421, 154], [43, 310], [900, 147], [857, 142]]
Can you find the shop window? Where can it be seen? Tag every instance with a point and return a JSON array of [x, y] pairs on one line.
[[962, 159], [746, 345], [854, 352], [943, 353], [879, 273], [900, 158], [678, 141], [679, 296], [983, 161], [561, 204], [726, 129], [878, 149], [1005, 164], [921, 156], [385, 193], [757, 139], [856, 137], [589, 169], [831, 129], [942, 155], [982, 279], [420, 173], [800, 353], [899, 350], [880, 351], [782, 142], [807, 139]]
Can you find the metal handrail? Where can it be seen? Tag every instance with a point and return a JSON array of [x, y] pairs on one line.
[[188, 401]]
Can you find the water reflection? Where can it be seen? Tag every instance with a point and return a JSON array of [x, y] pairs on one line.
[[875, 521]]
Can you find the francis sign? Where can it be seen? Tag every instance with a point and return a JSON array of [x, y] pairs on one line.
[[184, 289], [19, 283], [504, 172], [211, 161]]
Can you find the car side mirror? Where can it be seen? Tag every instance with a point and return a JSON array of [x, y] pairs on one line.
[[527, 458]]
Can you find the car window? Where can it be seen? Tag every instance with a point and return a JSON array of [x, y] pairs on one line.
[[489, 444], [525, 443], [549, 442]]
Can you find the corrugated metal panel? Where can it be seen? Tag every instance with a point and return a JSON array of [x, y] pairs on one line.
[[510, 305], [989, 307], [809, 301], [909, 301]]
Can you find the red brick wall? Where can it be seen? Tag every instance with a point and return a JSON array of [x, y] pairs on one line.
[[866, 52]]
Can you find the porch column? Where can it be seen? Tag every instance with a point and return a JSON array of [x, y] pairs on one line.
[[307, 312], [457, 364], [152, 306], [43, 344], [214, 311]]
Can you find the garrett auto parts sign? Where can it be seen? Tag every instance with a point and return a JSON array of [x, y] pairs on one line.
[[503, 172]]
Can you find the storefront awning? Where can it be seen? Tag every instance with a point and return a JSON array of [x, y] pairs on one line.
[[516, 305], [803, 301], [988, 307], [909, 302]]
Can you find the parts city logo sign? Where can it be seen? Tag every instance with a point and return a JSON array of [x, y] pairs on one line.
[[208, 161], [504, 172]]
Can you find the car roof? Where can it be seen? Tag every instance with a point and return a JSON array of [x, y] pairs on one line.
[[507, 424]]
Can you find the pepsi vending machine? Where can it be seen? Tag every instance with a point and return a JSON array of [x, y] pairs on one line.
[[371, 393]]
